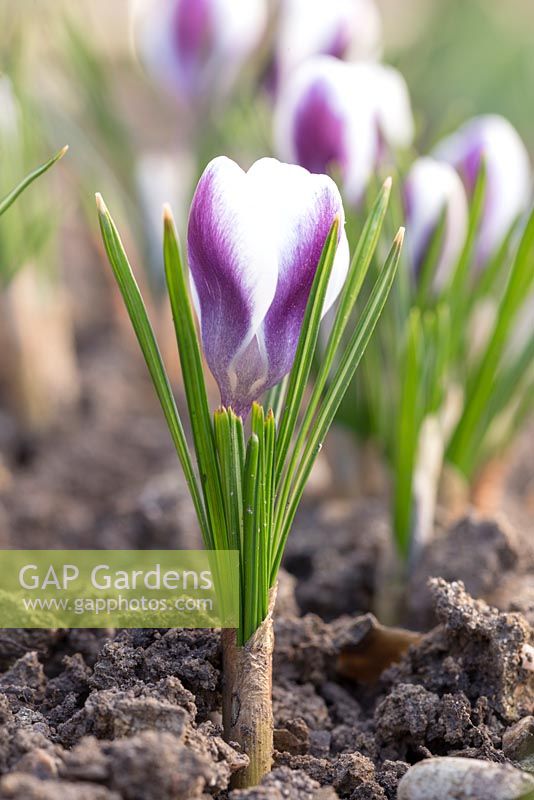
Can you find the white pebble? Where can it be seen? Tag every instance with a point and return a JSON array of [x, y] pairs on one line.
[[463, 779]]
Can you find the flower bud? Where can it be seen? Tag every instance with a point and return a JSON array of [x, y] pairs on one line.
[[342, 28], [254, 243], [432, 188], [508, 176], [333, 116], [195, 48]]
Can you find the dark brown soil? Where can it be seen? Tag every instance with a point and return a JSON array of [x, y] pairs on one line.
[[135, 715]]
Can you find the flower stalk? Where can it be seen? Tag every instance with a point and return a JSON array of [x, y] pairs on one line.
[[246, 487], [247, 696]]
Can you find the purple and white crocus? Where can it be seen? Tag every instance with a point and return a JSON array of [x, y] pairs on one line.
[[254, 243], [508, 174], [343, 118], [432, 188], [196, 48], [348, 29]]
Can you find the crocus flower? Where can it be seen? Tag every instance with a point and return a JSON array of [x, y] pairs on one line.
[[195, 48], [343, 28], [343, 117], [254, 243], [495, 140], [430, 189]]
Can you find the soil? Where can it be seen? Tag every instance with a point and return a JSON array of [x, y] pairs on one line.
[[136, 714]]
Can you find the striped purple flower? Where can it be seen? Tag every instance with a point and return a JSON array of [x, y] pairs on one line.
[[333, 117], [254, 243], [195, 48], [508, 171]]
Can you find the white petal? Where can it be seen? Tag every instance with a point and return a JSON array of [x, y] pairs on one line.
[[293, 196], [234, 218], [393, 105]]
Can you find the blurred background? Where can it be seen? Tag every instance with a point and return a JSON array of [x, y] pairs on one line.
[[76, 73]]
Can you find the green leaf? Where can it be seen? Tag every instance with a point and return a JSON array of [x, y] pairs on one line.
[[147, 341], [10, 198], [482, 382], [276, 396], [338, 386], [458, 292], [299, 375], [269, 500], [357, 272], [408, 424], [230, 471], [430, 263], [460, 277], [251, 544], [194, 384]]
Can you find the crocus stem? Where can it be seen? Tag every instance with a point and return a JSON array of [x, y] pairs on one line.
[[247, 698]]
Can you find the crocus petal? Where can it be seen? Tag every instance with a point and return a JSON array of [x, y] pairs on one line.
[[332, 116], [508, 185], [393, 107], [254, 244], [338, 28], [195, 48], [233, 263], [304, 207], [431, 187]]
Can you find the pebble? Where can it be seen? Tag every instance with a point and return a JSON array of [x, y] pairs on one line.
[[463, 779], [518, 743]]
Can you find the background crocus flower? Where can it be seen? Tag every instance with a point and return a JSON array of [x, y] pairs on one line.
[[254, 243], [343, 117], [160, 179], [195, 48], [508, 186], [342, 28], [431, 188]]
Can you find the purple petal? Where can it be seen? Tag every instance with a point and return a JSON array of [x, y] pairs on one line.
[[254, 243], [193, 31], [306, 207], [344, 116], [233, 268], [339, 43], [319, 131]]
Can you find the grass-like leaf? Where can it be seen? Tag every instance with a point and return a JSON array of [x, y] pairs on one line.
[[10, 198], [147, 341], [482, 382], [299, 375], [407, 433], [356, 276], [195, 387], [427, 272], [249, 555], [336, 390]]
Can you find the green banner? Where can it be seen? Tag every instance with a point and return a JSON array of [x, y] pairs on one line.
[[119, 589]]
